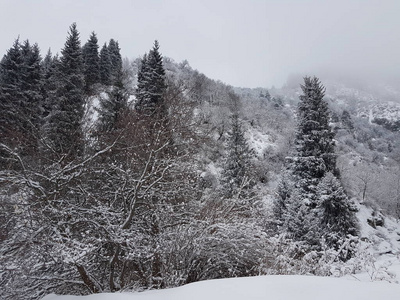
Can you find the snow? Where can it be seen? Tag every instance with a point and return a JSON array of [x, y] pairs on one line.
[[262, 287], [258, 141], [382, 245]]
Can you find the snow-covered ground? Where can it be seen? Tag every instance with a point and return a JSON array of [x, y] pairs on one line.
[[263, 287], [381, 247]]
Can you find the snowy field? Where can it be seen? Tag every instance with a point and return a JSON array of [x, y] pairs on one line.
[[263, 287]]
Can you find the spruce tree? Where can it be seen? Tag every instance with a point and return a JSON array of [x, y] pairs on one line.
[[11, 95], [236, 179], [314, 142], [105, 66], [50, 66], [20, 96], [151, 82], [31, 84], [336, 211], [309, 193], [113, 106], [64, 126], [91, 60], [115, 58], [346, 121]]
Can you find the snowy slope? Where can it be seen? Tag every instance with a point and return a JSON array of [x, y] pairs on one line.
[[263, 287], [381, 246]]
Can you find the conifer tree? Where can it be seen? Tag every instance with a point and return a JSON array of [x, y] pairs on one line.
[[64, 126], [50, 67], [91, 60], [105, 66], [10, 94], [115, 58], [347, 122], [31, 84], [20, 96], [236, 179], [151, 82], [336, 211], [309, 195], [314, 153], [113, 106]]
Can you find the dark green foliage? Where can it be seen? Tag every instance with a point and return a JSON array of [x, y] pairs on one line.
[[10, 93], [347, 122], [236, 179], [393, 126], [314, 139], [20, 97], [151, 82], [49, 86], [64, 122], [115, 58], [105, 66], [31, 86], [311, 201], [91, 63], [337, 213], [113, 106]]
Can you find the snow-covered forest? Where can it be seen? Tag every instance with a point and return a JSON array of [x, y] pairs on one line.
[[128, 175]]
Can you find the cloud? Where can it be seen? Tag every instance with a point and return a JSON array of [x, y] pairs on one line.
[[243, 43]]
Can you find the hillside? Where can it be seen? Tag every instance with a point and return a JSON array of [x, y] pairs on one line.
[[159, 177]]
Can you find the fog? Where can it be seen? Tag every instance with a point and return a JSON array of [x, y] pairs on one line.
[[242, 43]]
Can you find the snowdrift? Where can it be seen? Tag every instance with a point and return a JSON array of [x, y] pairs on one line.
[[263, 287]]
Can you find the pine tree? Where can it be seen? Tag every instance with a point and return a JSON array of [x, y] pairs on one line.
[[50, 84], [64, 122], [91, 60], [10, 94], [151, 82], [116, 59], [105, 66], [20, 96], [309, 192], [314, 138], [347, 121], [31, 84], [336, 211], [236, 179], [113, 106]]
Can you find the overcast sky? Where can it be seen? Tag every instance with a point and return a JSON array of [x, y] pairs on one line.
[[243, 43]]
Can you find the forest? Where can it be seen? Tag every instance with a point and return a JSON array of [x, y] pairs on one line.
[[128, 175]]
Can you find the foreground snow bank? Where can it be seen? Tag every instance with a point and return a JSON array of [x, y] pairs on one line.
[[263, 287]]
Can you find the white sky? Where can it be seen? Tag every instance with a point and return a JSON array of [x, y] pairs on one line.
[[241, 42]]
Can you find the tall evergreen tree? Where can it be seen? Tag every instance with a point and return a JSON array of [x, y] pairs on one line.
[[115, 57], [20, 96], [31, 84], [236, 179], [10, 94], [336, 211], [64, 126], [303, 206], [151, 81], [113, 106], [91, 60], [50, 66], [105, 66], [314, 141]]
